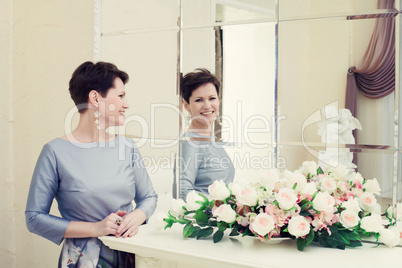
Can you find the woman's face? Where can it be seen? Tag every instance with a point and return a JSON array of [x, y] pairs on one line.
[[114, 105], [204, 104]]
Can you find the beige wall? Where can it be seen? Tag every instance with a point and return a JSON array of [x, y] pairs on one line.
[[41, 43], [7, 241]]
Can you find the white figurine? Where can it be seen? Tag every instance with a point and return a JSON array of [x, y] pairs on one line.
[[337, 129]]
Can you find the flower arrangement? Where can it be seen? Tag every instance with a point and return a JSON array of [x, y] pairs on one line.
[[334, 207]]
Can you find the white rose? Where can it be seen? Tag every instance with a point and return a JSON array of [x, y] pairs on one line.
[[355, 178], [235, 187], [367, 201], [286, 198], [328, 184], [308, 167], [295, 178], [263, 224], [247, 196], [339, 172], [349, 218], [309, 189], [324, 202], [156, 220], [372, 186], [352, 205], [176, 208], [298, 226], [372, 223], [225, 213], [390, 237], [395, 212], [218, 191], [269, 179], [191, 199]]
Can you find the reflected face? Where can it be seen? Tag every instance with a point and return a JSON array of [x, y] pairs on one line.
[[114, 104], [204, 104]]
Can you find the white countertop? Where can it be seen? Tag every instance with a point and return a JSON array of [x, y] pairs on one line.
[[169, 245]]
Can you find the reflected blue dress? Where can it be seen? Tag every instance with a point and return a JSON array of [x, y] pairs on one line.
[[89, 181], [201, 163]]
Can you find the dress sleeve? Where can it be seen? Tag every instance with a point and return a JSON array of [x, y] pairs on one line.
[[44, 186], [189, 165], [145, 196]]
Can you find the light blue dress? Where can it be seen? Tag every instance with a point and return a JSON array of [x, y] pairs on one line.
[[89, 181], [202, 163]]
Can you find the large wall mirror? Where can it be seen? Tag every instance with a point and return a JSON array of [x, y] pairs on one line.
[[283, 67]]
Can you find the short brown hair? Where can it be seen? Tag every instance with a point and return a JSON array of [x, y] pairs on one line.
[[90, 76], [194, 80]]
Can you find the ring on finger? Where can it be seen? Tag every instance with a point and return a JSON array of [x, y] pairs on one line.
[[118, 222]]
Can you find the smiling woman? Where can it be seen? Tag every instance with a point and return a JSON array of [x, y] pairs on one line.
[[202, 161], [95, 176]]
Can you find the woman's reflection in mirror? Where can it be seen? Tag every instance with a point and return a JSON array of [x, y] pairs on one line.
[[203, 160]]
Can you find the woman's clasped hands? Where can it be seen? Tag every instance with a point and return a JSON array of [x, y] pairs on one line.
[[121, 224]]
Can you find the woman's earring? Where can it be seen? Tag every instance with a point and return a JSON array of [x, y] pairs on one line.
[[188, 117], [97, 114]]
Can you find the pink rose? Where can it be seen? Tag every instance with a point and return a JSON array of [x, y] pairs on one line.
[[218, 191], [225, 213], [286, 198], [367, 201], [323, 201], [247, 196], [328, 184], [298, 226], [263, 224], [349, 218]]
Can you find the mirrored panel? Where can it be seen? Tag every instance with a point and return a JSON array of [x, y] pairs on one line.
[[304, 9], [203, 162], [160, 157], [203, 13], [125, 16], [372, 163], [314, 57], [151, 91], [243, 57]]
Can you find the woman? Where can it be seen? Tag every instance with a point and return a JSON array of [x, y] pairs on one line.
[[203, 161], [93, 175]]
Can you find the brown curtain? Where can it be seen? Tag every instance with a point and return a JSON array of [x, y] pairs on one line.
[[374, 77]]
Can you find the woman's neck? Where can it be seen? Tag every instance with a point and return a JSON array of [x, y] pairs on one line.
[[87, 131], [200, 129]]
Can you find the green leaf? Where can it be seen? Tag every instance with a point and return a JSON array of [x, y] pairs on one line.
[[205, 232], [217, 236], [234, 232], [320, 171], [310, 237], [304, 206], [354, 244], [188, 229], [354, 235], [201, 217], [323, 242], [222, 226], [345, 237], [169, 223], [301, 243], [195, 232]]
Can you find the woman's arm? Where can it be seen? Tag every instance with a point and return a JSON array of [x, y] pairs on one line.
[[44, 186], [80, 229], [189, 162], [145, 195]]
